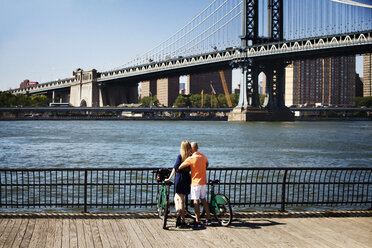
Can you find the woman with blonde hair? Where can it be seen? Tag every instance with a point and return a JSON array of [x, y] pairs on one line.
[[182, 182]]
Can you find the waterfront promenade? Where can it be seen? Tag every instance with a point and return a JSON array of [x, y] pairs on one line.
[[248, 229]]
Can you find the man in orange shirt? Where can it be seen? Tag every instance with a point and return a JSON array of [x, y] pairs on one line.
[[198, 163]]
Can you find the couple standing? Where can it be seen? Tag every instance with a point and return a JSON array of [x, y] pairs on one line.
[[190, 159]]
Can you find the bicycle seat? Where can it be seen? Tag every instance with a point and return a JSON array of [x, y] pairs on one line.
[[214, 182]]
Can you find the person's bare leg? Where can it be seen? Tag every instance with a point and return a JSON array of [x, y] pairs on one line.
[[206, 208], [182, 205], [197, 210]]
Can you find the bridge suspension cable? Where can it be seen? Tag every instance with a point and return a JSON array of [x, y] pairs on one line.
[[314, 18], [218, 26]]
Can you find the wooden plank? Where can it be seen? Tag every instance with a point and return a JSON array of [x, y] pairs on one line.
[[120, 238], [41, 242], [227, 235], [3, 224], [73, 233], [250, 233], [88, 233], [290, 236], [20, 234], [95, 233], [58, 233], [65, 241], [13, 232], [124, 233], [364, 223], [102, 233], [144, 239], [29, 232], [146, 233], [326, 233], [50, 234], [168, 235], [356, 233], [6, 231], [80, 233], [131, 233], [109, 232], [160, 242], [309, 237], [38, 234]]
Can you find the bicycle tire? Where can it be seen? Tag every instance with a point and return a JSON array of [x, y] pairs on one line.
[[190, 204], [223, 213], [165, 215], [158, 204]]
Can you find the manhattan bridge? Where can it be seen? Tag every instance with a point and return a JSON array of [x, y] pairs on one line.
[[253, 35]]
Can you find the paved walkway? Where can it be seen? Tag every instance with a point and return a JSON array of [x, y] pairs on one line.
[[312, 229]]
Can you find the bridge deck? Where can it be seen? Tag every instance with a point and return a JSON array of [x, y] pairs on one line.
[[340, 229]]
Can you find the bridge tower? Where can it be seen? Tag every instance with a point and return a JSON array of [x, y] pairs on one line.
[[84, 92], [249, 106]]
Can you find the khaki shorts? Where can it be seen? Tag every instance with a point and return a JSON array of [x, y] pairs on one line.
[[198, 192]]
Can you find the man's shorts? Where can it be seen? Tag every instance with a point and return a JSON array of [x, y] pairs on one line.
[[198, 192]]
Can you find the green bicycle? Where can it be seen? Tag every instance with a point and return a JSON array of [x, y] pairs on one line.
[[162, 197], [219, 206]]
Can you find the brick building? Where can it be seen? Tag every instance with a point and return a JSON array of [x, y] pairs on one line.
[[324, 80]]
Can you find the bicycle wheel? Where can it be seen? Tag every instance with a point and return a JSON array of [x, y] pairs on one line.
[[159, 208], [189, 208], [165, 214], [222, 210]]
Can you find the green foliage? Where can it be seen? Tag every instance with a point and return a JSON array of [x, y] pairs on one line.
[[182, 101], [234, 99], [363, 101], [149, 101], [222, 101], [198, 101], [195, 100], [9, 100]]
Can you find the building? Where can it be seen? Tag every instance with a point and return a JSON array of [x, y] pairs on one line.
[[327, 81], [197, 82], [367, 74]]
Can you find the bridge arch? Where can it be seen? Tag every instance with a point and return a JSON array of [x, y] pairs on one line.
[[83, 103]]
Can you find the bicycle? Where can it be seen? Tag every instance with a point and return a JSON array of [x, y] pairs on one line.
[[219, 206], [162, 197]]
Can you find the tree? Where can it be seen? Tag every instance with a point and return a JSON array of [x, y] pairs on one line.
[[149, 101], [222, 101], [363, 101], [181, 101], [234, 99], [195, 100]]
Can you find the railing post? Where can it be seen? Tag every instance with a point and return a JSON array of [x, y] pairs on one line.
[[283, 190], [85, 190]]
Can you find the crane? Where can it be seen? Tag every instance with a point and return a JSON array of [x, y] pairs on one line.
[[225, 89]]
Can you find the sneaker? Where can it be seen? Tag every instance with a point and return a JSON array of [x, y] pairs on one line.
[[184, 225], [196, 224], [178, 222], [207, 223]]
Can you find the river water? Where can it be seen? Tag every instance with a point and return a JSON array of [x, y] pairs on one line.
[[130, 144]]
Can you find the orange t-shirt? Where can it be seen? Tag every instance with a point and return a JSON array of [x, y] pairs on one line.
[[198, 165]]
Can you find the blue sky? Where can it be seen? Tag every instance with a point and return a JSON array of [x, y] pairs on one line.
[[42, 40]]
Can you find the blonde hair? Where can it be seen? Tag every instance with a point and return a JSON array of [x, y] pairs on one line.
[[185, 149]]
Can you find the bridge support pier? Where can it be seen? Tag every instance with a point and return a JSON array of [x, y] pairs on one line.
[[84, 91], [167, 90]]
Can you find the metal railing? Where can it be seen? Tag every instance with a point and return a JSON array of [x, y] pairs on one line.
[[128, 189]]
